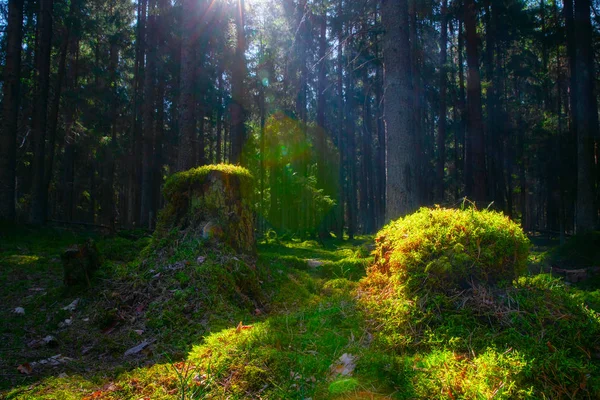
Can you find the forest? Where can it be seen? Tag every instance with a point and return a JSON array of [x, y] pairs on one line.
[[307, 199]]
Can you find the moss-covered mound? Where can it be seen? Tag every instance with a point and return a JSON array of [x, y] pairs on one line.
[[446, 249], [211, 202], [434, 296]]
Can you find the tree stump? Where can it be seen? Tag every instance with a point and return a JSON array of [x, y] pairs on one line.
[[211, 203], [80, 262]]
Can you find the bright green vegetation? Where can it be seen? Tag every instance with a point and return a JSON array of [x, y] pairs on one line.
[[441, 293], [183, 181], [445, 249], [303, 306]]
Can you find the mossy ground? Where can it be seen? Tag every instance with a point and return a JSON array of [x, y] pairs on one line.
[[289, 340]]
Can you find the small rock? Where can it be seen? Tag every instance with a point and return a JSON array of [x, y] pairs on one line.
[[72, 306], [344, 366], [138, 348], [50, 340], [19, 311], [65, 323]]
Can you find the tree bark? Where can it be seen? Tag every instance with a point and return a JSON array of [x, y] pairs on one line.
[[238, 117], [187, 103], [39, 124], [441, 139], [8, 134], [476, 180], [148, 121], [587, 119], [402, 170]]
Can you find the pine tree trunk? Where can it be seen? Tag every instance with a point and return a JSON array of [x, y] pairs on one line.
[[39, 198], [187, 103], [148, 124], [401, 166], [238, 72], [476, 182], [587, 119], [340, 132], [8, 134], [441, 139]]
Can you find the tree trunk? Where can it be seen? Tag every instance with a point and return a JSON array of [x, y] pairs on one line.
[[441, 139], [39, 197], [55, 106], [587, 119], [8, 134], [238, 117], [187, 103], [340, 132], [476, 179], [401, 178], [148, 124]]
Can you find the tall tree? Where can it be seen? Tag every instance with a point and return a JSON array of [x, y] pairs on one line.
[[39, 196], [441, 139], [401, 177], [187, 103], [476, 173], [10, 118], [586, 113], [238, 72]]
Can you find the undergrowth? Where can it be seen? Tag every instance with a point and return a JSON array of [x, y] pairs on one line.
[[279, 325], [445, 292]]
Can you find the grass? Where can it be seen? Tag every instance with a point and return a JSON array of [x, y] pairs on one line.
[[216, 336]]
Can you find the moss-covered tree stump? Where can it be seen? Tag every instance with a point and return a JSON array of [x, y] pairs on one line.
[[211, 203]]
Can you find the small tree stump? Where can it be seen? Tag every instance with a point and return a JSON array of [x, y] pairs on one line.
[[80, 262], [211, 203]]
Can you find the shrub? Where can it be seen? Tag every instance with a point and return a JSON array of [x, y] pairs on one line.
[[443, 249]]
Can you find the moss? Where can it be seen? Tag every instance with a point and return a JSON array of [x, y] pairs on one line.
[[443, 249], [210, 203], [446, 294], [186, 180]]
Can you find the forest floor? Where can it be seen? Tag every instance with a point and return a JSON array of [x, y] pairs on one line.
[[306, 339]]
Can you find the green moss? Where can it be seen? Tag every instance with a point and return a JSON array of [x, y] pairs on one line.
[[434, 297], [443, 249], [184, 181]]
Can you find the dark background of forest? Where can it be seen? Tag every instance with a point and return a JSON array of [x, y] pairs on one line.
[[490, 99]]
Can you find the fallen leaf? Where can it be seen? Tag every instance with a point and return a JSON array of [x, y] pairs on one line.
[[200, 259], [139, 332], [19, 311], [25, 368]]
